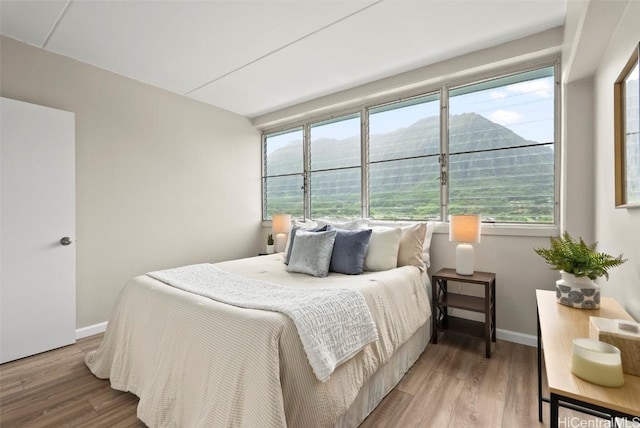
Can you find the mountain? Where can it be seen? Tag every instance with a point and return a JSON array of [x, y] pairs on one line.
[[488, 174]]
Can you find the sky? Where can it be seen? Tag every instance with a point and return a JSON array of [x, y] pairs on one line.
[[526, 108]]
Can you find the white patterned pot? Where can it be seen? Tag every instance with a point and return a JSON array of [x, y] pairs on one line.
[[577, 292]]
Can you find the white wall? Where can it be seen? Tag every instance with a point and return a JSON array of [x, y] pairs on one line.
[[617, 230], [162, 180], [519, 272], [577, 159]]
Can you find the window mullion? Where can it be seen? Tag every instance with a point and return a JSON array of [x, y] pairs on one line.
[[263, 180], [444, 152], [364, 162], [306, 175]]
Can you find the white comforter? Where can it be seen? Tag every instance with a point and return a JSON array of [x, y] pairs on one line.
[[195, 362], [333, 323]]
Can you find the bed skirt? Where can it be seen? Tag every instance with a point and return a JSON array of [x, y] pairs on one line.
[[386, 378]]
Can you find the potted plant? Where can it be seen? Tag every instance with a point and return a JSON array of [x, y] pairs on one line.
[[579, 265], [270, 244]]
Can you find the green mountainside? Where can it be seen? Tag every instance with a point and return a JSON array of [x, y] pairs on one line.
[[496, 180]]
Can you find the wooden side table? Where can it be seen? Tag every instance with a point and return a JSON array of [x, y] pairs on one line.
[[558, 325], [442, 300]]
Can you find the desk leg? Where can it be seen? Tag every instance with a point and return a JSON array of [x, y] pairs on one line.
[[553, 422], [539, 368]]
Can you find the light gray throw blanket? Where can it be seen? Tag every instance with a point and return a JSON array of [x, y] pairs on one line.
[[333, 324]]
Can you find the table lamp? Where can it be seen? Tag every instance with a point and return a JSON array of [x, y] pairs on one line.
[[464, 229], [280, 227]]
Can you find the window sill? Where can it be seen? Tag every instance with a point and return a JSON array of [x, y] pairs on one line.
[[495, 229], [502, 229]]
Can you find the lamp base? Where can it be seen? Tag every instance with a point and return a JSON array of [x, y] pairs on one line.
[[464, 259], [280, 242]]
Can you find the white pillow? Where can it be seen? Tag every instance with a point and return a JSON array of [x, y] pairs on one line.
[[426, 254], [382, 253], [305, 224], [344, 224], [411, 245]]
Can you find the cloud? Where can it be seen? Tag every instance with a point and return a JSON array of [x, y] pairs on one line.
[[497, 95], [540, 87], [505, 117]]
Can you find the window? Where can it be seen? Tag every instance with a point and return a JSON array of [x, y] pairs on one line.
[[404, 148], [501, 148], [486, 147], [335, 172], [627, 134], [282, 180]]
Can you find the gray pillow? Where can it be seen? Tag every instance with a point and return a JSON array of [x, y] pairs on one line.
[[349, 251], [311, 252], [292, 237]]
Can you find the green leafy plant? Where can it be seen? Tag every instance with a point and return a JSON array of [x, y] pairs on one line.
[[270, 239], [578, 258]]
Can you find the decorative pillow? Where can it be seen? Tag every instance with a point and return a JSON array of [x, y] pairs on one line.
[[344, 224], [349, 251], [382, 253], [311, 252], [410, 251], [292, 237]]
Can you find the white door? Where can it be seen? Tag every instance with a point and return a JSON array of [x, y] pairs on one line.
[[37, 194]]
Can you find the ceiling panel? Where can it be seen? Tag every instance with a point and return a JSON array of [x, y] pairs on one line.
[[29, 21], [180, 45]]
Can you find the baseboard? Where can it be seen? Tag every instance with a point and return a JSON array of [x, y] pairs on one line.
[[90, 330], [509, 336], [515, 337]]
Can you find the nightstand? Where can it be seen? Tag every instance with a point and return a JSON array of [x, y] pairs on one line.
[[442, 300]]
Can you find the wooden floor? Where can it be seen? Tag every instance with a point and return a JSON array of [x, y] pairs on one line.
[[451, 385]]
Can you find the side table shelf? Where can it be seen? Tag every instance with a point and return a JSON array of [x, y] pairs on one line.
[[442, 300]]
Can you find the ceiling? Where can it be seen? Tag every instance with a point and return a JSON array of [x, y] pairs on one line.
[[256, 57]]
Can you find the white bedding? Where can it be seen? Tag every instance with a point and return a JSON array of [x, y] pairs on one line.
[[333, 323], [197, 362]]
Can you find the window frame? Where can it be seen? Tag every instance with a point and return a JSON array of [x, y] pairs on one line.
[[263, 176], [442, 88], [556, 134], [619, 113], [366, 213]]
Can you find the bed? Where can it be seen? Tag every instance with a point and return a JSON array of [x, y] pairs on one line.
[[194, 361]]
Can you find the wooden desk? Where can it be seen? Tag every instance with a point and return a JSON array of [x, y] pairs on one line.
[[558, 325]]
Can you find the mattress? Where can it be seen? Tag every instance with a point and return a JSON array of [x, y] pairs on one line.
[[197, 362]]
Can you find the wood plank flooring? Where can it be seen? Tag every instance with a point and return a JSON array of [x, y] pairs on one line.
[[451, 385]]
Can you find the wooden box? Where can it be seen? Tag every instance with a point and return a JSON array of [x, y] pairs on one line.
[[608, 330]]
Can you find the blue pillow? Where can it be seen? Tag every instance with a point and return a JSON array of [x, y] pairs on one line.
[[292, 237], [349, 251], [311, 252]]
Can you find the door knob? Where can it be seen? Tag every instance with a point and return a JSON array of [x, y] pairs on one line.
[[65, 241]]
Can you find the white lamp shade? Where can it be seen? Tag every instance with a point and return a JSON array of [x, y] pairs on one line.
[[280, 227], [464, 228], [281, 223]]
